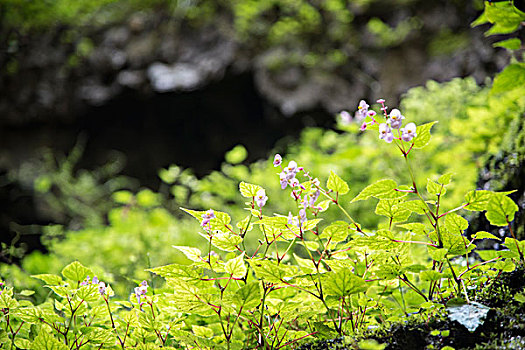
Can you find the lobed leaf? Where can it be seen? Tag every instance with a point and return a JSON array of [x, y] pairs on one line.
[[76, 271], [248, 190], [500, 210], [336, 184], [423, 134], [337, 231], [377, 189], [235, 267], [344, 283]]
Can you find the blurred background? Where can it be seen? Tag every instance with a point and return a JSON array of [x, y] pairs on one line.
[[114, 113]]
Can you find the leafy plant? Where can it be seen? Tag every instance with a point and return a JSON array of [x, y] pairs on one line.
[[306, 277]]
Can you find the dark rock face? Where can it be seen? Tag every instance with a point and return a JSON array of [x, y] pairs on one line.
[[162, 91]]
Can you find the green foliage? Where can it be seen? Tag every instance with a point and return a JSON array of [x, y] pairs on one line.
[[343, 275], [505, 19]]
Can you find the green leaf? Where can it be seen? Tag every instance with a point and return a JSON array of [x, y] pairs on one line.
[[423, 134], [310, 224], [45, 341], [500, 210], [49, 279], [201, 331], [191, 253], [434, 189], [455, 223], [7, 301], [169, 175], [344, 283], [504, 14], [306, 265], [323, 206], [248, 296], [482, 19], [416, 227], [221, 222], [226, 241], [76, 271], [437, 254], [147, 198], [270, 271], [430, 275], [336, 184], [337, 231], [123, 197], [416, 206], [478, 200], [248, 190], [488, 254], [27, 293], [484, 235], [512, 77], [445, 179], [245, 225], [235, 267], [509, 44], [513, 245], [377, 189], [99, 335], [236, 155], [310, 245], [393, 209], [505, 265], [186, 272]]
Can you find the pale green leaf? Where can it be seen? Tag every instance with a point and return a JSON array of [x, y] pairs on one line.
[[423, 134], [377, 189], [455, 223], [236, 267], [336, 184], [484, 235], [248, 296], [194, 254], [49, 279], [445, 179], [45, 341], [226, 241], [76, 271], [478, 200], [337, 231], [500, 210], [343, 283], [310, 224], [248, 190]]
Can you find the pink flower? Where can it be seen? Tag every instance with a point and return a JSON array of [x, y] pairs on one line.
[[102, 288], [396, 119], [261, 198], [362, 109], [408, 132], [277, 160], [207, 216], [346, 118], [385, 133]]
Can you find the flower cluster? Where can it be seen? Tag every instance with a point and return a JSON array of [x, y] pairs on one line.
[[394, 121], [140, 291], [207, 216], [287, 175], [101, 285], [305, 199], [1, 287]]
